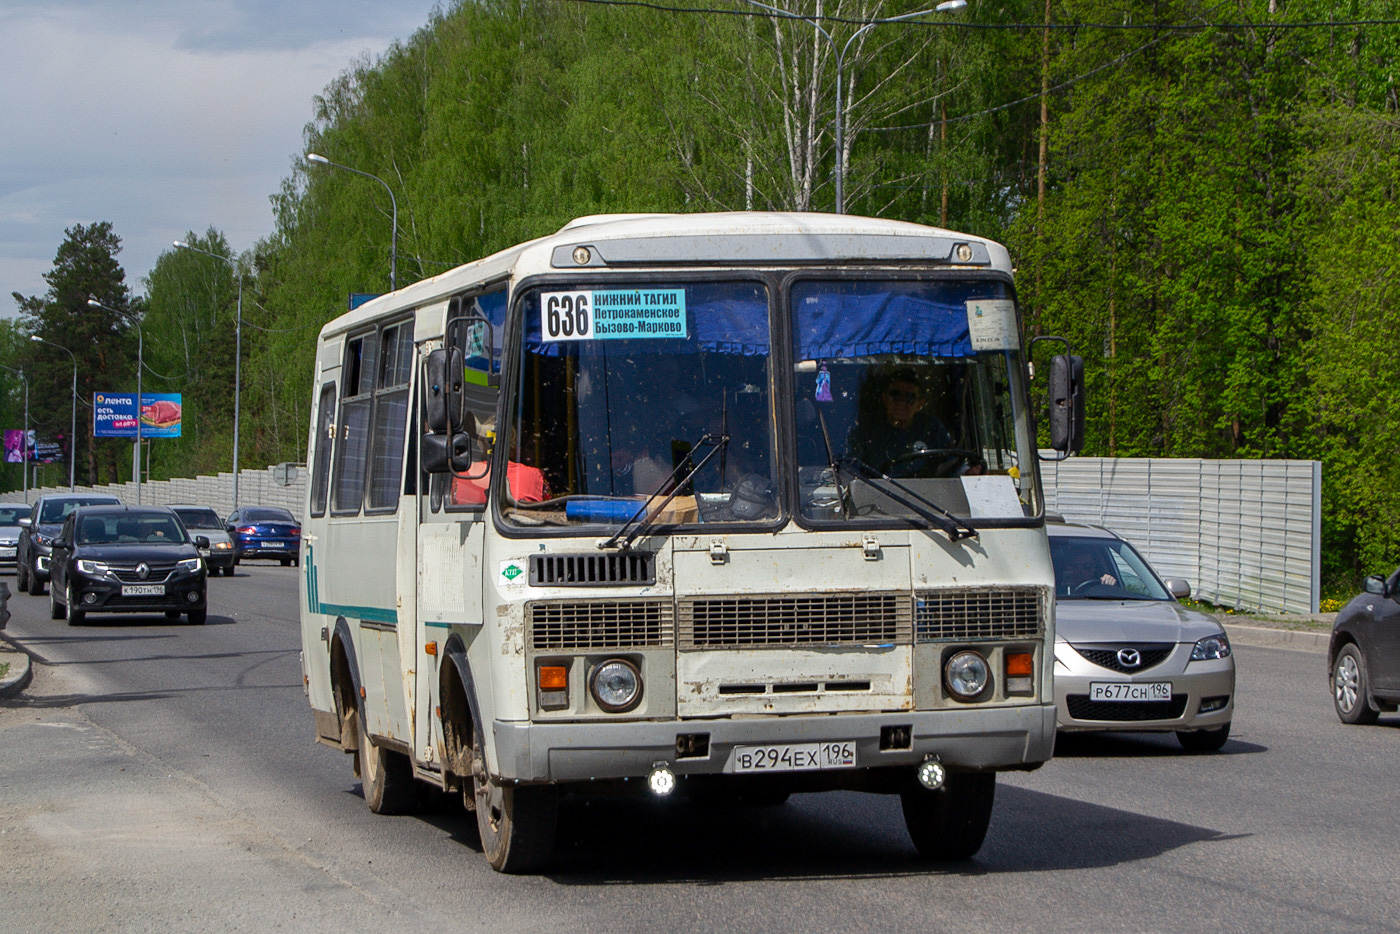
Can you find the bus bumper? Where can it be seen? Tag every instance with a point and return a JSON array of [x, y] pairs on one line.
[[997, 738]]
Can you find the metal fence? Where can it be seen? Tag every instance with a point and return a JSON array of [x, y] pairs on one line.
[[1245, 533]]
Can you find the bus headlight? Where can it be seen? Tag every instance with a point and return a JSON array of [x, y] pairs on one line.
[[966, 675], [616, 685]]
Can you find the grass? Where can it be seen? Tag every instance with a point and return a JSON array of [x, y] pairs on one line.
[[4, 667]]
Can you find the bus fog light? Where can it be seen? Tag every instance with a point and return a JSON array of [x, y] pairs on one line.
[[661, 780], [616, 685], [931, 774], [966, 675]]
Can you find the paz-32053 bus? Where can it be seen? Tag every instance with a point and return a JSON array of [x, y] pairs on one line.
[[727, 504]]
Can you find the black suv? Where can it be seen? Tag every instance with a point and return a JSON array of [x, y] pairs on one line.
[[37, 532]]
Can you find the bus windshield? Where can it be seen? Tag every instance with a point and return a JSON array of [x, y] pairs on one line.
[[907, 400], [638, 389]]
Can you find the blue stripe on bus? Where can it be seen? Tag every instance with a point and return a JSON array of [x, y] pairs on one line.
[[371, 614]]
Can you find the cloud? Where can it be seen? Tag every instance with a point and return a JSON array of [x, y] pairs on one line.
[[162, 117]]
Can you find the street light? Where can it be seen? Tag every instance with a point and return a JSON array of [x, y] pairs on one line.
[[948, 6], [393, 233], [24, 445], [73, 421], [140, 349], [237, 356]]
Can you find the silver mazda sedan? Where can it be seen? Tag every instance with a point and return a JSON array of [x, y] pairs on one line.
[[1128, 657]]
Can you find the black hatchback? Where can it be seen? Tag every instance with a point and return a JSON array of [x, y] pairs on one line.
[[1363, 660], [127, 559]]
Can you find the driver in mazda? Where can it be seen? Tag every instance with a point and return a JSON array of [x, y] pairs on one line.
[[901, 427], [1081, 569]]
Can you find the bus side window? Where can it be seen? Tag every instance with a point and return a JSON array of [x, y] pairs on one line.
[[348, 486], [324, 441], [390, 417]]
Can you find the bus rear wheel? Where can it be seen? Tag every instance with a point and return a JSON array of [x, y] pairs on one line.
[[516, 822], [385, 776]]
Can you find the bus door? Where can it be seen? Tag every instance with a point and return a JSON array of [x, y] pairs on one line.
[[452, 512]]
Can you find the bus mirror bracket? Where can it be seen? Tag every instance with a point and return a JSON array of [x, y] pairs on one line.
[[445, 396]]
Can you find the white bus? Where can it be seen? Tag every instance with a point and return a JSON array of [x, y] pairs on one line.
[[736, 505]]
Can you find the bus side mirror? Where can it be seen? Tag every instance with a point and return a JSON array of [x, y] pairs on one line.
[[445, 396], [1067, 403], [442, 454]]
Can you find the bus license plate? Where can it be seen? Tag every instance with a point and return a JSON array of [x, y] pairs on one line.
[[143, 590], [794, 757], [1123, 691]]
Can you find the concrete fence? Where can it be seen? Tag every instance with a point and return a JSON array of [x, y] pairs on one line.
[[1245, 533]]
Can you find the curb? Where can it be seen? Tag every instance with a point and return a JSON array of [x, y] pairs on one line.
[[1298, 640], [18, 675]]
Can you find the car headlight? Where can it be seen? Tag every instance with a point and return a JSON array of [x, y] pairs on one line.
[[966, 675], [190, 565], [1216, 646], [95, 568], [616, 685], [221, 546]]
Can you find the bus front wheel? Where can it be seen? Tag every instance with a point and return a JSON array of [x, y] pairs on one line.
[[516, 822], [950, 823]]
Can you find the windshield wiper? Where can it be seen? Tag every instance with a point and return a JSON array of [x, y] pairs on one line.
[[955, 527], [717, 443]]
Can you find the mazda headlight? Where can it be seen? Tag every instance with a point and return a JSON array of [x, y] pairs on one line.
[[189, 565], [95, 568], [1216, 646], [966, 675], [616, 685]]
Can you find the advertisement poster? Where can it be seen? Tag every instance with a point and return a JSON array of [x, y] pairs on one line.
[[40, 451], [114, 415], [14, 445]]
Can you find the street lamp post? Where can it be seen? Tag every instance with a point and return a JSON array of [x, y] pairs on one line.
[[394, 231], [24, 445], [140, 349], [947, 6], [73, 420], [237, 355]]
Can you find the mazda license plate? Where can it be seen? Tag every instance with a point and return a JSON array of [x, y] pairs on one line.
[[1133, 693]]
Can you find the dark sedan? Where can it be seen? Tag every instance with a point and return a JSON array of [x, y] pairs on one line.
[[1363, 660], [127, 559], [265, 532]]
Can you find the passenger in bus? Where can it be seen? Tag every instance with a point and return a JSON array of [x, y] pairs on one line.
[[895, 424]]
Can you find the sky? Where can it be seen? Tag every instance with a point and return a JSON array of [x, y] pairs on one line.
[[163, 117]]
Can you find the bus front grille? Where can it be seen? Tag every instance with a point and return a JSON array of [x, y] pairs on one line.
[[600, 624], [609, 570], [762, 621], [979, 614]]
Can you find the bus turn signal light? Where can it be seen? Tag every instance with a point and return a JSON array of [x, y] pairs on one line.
[[1020, 671], [554, 678]]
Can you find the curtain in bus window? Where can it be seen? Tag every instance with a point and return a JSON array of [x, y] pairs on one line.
[[842, 319], [321, 474]]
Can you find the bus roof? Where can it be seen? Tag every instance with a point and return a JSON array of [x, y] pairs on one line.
[[743, 238]]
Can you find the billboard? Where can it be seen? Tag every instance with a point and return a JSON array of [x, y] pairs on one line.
[[114, 414], [40, 451]]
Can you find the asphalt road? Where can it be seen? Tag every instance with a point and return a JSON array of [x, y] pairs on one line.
[[158, 776]]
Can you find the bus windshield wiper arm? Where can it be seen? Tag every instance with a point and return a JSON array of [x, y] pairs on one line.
[[717, 443], [955, 527]]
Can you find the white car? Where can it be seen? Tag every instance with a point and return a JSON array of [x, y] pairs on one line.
[[1128, 656], [10, 514]]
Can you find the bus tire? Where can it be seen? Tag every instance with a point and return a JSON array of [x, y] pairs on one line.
[[950, 823], [385, 776], [516, 822]]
